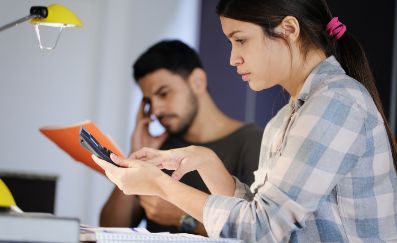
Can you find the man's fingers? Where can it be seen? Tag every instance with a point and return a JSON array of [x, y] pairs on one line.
[[143, 122], [141, 111]]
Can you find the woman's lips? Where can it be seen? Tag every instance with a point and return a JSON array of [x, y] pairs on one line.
[[245, 76]]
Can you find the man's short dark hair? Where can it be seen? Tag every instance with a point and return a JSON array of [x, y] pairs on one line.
[[172, 55]]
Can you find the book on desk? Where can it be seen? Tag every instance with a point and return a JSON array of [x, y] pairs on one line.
[[43, 227], [38, 227]]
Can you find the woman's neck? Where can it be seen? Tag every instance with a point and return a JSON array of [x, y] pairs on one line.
[[301, 68]]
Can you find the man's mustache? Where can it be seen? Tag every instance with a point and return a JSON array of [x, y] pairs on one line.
[[162, 116]]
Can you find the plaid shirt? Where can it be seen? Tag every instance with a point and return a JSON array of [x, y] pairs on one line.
[[325, 171]]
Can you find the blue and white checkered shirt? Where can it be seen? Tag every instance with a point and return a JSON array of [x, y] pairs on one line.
[[325, 171]]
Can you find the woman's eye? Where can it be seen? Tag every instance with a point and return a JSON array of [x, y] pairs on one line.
[[240, 41]]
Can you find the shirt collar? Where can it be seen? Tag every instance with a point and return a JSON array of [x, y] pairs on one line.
[[316, 78]]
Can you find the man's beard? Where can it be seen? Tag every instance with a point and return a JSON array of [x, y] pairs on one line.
[[187, 120]]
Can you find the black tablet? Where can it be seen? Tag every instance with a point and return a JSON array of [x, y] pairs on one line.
[[92, 145]]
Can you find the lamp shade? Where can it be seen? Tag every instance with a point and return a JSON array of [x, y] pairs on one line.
[[58, 16], [6, 199]]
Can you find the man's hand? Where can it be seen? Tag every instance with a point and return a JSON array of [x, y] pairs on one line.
[[140, 137], [161, 211]]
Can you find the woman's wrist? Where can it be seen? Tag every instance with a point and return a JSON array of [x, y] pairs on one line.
[[162, 184], [215, 175], [209, 159]]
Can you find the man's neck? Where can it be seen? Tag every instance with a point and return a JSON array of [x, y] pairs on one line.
[[210, 123]]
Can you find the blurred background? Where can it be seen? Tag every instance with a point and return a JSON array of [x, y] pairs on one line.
[[88, 76]]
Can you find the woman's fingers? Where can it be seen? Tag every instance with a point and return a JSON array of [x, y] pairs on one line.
[[102, 163], [178, 174], [110, 170], [146, 154], [120, 161]]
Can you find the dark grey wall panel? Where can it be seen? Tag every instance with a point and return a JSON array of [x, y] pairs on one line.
[[227, 89], [230, 93], [393, 91], [372, 24]]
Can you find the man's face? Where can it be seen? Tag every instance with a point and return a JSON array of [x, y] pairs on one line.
[[172, 100]]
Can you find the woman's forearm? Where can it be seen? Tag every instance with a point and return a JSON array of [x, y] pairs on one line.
[[216, 177], [185, 197], [218, 180]]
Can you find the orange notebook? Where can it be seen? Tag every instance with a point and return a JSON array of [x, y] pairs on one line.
[[68, 139]]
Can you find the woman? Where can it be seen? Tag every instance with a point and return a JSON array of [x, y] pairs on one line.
[[327, 170]]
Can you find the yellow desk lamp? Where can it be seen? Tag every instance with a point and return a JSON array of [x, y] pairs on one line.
[[54, 15]]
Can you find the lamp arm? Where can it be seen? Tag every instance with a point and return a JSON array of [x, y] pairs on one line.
[[16, 22], [35, 12]]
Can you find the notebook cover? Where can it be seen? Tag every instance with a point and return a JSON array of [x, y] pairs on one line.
[[68, 139]]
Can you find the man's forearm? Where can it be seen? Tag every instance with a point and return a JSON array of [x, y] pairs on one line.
[[121, 210]]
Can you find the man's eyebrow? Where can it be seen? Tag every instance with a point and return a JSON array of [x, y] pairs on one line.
[[230, 35], [161, 89]]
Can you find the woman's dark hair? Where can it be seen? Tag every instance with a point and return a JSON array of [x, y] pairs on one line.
[[313, 16], [173, 55]]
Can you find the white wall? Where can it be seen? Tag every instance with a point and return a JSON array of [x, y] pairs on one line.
[[87, 76]]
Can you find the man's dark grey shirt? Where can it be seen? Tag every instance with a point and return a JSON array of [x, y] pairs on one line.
[[239, 152]]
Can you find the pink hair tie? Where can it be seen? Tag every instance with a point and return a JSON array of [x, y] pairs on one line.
[[336, 28]]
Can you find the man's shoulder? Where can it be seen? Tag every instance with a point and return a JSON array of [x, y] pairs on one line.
[[245, 134], [174, 142], [249, 130]]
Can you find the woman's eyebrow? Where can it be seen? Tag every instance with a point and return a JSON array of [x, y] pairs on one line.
[[230, 35]]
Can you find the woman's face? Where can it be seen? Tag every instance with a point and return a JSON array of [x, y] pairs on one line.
[[261, 61]]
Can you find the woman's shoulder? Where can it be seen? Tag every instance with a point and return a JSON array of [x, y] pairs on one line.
[[350, 92], [347, 90]]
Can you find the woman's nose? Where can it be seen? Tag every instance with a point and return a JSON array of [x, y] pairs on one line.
[[235, 59]]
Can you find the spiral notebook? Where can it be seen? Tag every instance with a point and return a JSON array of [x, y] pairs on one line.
[[119, 235]]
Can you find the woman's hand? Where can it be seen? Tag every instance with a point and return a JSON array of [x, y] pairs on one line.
[[134, 177], [142, 178], [181, 160]]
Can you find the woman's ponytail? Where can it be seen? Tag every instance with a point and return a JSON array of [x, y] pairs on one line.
[[351, 56]]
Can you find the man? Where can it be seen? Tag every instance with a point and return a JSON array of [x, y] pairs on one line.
[[174, 84]]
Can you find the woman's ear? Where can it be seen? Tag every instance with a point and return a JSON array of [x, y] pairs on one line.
[[289, 28], [198, 81]]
